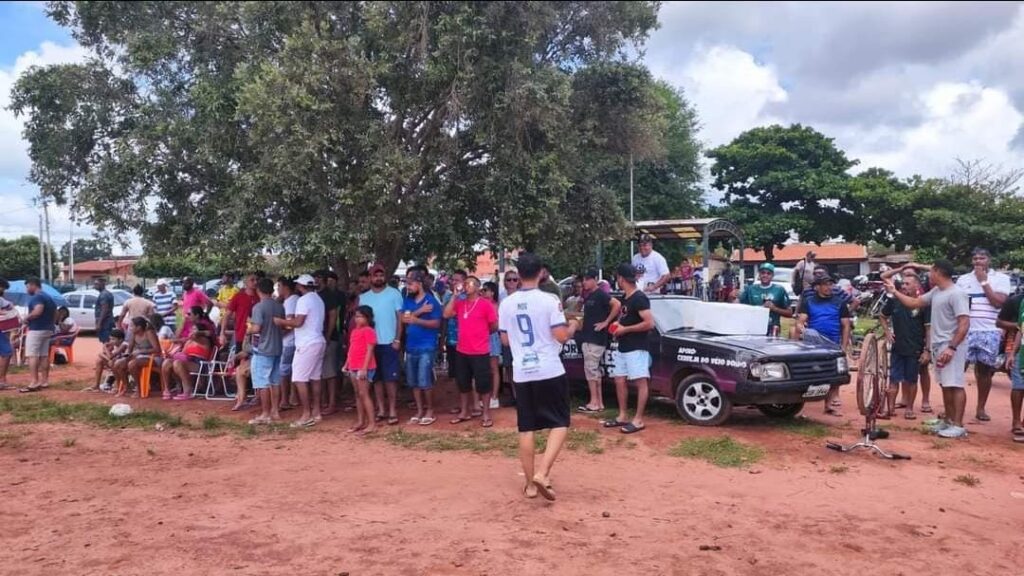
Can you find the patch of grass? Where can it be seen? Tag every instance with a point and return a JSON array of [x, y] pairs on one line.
[[505, 442], [968, 480], [37, 409], [213, 423], [11, 440], [940, 445], [800, 426], [721, 451], [839, 469], [69, 442]]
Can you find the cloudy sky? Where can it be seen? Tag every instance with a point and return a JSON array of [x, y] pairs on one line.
[[905, 86]]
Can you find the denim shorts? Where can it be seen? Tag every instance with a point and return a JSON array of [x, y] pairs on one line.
[[1016, 380], [419, 368], [265, 371], [631, 365], [354, 374], [903, 368], [5, 345], [288, 352]]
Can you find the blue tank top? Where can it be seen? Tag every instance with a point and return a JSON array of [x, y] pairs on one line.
[[823, 315]]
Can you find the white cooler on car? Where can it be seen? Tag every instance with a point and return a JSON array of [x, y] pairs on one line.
[[725, 319]]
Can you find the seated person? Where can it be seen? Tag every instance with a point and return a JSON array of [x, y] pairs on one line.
[[114, 350], [196, 345], [142, 346], [65, 330]]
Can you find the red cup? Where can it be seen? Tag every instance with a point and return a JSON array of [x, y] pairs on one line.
[[613, 328]]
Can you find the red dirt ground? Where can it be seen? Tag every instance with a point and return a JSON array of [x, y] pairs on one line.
[[321, 502]]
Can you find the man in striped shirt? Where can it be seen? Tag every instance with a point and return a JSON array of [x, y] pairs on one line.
[[165, 303], [987, 290]]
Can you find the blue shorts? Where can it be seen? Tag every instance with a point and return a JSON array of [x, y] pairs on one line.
[[903, 368], [103, 332], [1016, 380], [387, 363], [631, 365], [354, 374], [495, 345], [288, 352], [6, 350], [419, 368], [983, 347], [265, 371]]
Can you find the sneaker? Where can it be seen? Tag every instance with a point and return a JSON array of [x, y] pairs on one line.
[[953, 432], [495, 404]]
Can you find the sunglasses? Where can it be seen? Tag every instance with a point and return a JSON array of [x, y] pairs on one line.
[[511, 279]]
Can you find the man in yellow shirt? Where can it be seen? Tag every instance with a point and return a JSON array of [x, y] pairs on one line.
[[227, 290]]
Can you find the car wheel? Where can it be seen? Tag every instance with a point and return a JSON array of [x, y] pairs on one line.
[[780, 410], [700, 402]]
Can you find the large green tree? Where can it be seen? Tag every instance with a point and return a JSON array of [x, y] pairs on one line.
[[342, 132], [779, 180], [19, 258], [87, 249]]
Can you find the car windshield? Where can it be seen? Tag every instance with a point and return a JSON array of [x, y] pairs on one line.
[[668, 314], [120, 296]]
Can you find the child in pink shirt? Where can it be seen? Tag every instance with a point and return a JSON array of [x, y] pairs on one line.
[[361, 366]]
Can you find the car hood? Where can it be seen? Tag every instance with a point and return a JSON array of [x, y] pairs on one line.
[[766, 345]]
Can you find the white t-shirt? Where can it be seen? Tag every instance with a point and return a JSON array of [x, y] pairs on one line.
[[528, 317], [983, 314], [649, 269], [289, 310], [311, 332]]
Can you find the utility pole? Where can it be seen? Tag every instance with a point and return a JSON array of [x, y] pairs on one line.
[[42, 260], [71, 250], [631, 221], [49, 249]]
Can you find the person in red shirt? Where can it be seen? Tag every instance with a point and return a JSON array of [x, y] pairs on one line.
[[478, 318], [239, 308], [360, 365]]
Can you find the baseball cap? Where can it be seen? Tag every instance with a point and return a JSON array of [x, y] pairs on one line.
[[592, 273], [767, 266], [415, 276], [822, 279], [626, 271], [377, 268], [162, 282], [305, 280], [646, 239]]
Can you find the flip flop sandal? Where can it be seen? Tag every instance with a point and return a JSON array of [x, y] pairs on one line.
[[526, 491], [927, 409], [7, 387], [632, 428], [427, 421], [415, 420], [900, 405], [454, 411], [166, 396], [833, 412], [883, 416], [544, 490], [585, 409], [459, 420], [475, 414], [908, 415], [1017, 431], [259, 421], [379, 418], [983, 418], [613, 424], [28, 389], [487, 423], [392, 420], [1018, 439]]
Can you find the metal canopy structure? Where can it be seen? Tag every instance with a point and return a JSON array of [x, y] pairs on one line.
[[702, 229]]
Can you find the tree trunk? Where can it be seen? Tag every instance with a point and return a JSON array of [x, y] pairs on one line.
[[769, 252]]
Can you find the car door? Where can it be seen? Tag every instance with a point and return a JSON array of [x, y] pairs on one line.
[[88, 312]]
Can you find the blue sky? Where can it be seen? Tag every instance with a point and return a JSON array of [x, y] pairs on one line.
[[907, 86]]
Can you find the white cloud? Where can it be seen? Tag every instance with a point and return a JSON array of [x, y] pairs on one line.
[[730, 90]]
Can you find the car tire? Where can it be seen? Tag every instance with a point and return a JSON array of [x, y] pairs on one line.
[[781, 410], [701, 402]]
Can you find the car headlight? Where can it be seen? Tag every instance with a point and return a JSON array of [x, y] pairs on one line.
[[769, 371], [841, 366]]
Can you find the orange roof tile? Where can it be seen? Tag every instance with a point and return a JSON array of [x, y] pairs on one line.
[[105, 265], [795, 252]]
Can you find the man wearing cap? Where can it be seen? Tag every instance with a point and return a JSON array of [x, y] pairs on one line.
[[599, 311], [165, 304], [771, 296], [632, 360], [803, 273], [651, 266], [307, 364], [825, 318], [822, 272], [988, 290], [386, 303], [421, 321]]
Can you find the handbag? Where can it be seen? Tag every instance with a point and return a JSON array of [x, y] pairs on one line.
[[9, 320]]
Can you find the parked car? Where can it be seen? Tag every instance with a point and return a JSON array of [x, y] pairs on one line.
[[82, 305], [710, 357]]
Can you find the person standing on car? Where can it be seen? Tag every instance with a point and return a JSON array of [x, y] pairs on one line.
[[599, 311], [533, 326], [771, 296], [950, 321], [632, 360], [906, 330], [651, 266], [987, 290], [824, 318]]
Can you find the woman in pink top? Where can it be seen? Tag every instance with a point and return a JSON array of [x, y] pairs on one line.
[[360, 366], [477, 317]]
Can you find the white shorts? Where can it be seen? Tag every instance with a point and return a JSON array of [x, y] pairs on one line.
[[951, 375], [37, 343], [308, 363], [631, 365]]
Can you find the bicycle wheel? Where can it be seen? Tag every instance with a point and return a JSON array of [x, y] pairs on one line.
[[883, 370], [867, 376]]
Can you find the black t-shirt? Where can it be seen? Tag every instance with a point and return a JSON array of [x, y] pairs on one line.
[[1010, 312], [630, 316], [907, 326], [331, 302], [596, 309]]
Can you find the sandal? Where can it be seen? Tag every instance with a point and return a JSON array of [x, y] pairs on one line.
[[392, 420], [982, 417], [427, 421], [415, 420], [459, 420], [181, 397], [909, 415], [613, 423], [632, 428], [586, 409], [28, 389], [475, 414], [1017, 431], [833, 412], [167, 396], [258, 421], [86, 389], [487, 423], [544, 489], [926, 408]]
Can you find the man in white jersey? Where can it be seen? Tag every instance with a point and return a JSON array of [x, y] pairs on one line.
[[532, 324], [651, 267], [988, 290], [307, 363]]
